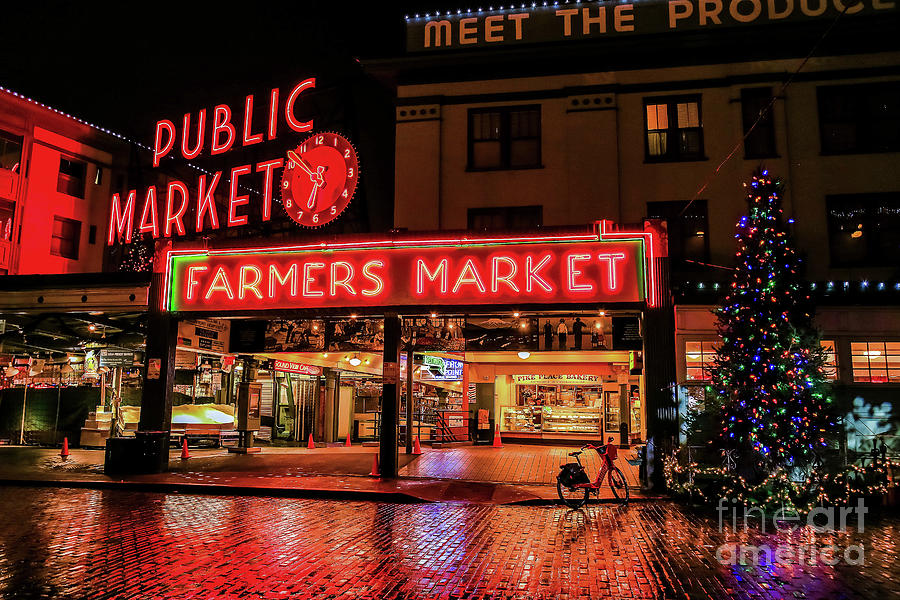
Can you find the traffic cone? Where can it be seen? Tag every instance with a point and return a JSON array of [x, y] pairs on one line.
[[498, 443], [184, 450], [311, 445], [64, 453], [376, 470], [417, 449], [348, 443]]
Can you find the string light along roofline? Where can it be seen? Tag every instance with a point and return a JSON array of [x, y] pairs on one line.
[[114, 134], [481, 10]]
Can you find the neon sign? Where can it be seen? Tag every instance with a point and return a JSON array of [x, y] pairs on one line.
[[437, 272], [293, 367], [164, 212]]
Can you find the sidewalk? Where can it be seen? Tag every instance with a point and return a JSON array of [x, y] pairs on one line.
[[335, 472]]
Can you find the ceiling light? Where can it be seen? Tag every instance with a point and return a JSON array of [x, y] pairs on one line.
[[433, 315], [515, 314], [856, 234], [355, 361], [524, 354]]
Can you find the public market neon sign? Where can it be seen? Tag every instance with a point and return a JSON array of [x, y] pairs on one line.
[[224, 133], [447, 271]]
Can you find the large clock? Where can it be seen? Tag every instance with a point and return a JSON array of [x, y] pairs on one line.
[[319, 180]]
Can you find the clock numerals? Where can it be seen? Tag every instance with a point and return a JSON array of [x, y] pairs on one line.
[[315, 218], [287, 203], [333, 209], [347, 153], [345, 195], [313, 172], [350, 172], [320, 139]]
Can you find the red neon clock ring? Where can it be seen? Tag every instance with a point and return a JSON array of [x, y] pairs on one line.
[[320, 178]]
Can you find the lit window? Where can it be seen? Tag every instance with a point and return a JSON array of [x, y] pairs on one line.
[[875, 362], [699, 359], [72, 174], [674, 128], [831, 371], [66, 236], [505, 138]]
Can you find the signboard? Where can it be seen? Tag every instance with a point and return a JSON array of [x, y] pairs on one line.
[[626, 333], [552, 379], [116, 357], [205, 334], [535, 23], [154, 366], [298, 368], [574, 268], [319, 176]]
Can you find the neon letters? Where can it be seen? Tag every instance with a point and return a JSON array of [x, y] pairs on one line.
[[213, 132]]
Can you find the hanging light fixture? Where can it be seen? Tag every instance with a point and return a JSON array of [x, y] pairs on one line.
[[355, 361], [11, 371], [524, 354]]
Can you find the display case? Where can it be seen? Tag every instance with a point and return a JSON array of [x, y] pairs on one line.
[[521, 418], [558, 419]]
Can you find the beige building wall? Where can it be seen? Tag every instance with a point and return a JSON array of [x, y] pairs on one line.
[[593, 163]]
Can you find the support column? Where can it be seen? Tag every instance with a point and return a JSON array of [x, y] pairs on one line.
[[410, 403], [390, 400], [660, 380], [159, 372]]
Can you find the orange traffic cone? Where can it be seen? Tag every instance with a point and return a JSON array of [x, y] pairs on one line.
[[417, 449], [498, 443], [184, 450], [348, 443], [64, 453], [376, 470], [311, 445]]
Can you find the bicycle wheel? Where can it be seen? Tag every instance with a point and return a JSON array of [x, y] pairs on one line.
[[619, 487], [571, 497]]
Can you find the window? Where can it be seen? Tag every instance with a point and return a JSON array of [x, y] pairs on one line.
[[699, 358], [505, 138], [688, 231], [876, 362], [505, 218], [674, 128], [72, 174], [860, 118], [66, 235], [755, 109], [10, 152], [7, 214], [864, 229], [831, 371]]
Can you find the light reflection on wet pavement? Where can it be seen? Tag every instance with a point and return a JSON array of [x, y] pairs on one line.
[[76, 543]]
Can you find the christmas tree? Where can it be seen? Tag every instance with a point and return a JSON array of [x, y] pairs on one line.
[[771, 396]]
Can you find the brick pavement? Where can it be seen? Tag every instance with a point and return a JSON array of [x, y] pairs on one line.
[[108, 544], [514, 463]]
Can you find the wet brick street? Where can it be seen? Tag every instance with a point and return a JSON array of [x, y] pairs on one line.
[[76, 543]]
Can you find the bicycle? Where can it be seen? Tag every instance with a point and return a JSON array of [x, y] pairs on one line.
[[574, 486]]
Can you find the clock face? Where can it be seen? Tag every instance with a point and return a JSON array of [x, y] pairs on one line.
[[320, 178]]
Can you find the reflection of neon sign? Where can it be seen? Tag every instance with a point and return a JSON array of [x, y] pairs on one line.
[[450, 271]]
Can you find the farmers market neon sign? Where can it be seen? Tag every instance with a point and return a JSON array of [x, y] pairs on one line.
[[606, 266]]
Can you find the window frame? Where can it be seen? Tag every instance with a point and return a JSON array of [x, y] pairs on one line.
[[679, 258], [866, 354], [875, 255], [860, 93], [707, 350], [61, 176], [672, 103], [10, 137], [77, 238], [505, 137], [765, 127]]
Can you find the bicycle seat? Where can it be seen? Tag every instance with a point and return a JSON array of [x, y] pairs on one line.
[[574, 453]]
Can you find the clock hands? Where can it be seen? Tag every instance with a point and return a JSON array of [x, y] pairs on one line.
[[316, 177]]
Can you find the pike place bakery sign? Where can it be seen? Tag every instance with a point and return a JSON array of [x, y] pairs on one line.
[[564, 20], [319, 175]]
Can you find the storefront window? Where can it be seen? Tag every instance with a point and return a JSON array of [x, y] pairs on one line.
[[831, 371], [699, 358], [875, 362]]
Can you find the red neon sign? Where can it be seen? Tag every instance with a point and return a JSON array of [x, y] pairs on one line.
[[214, 131], [452, 271]]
